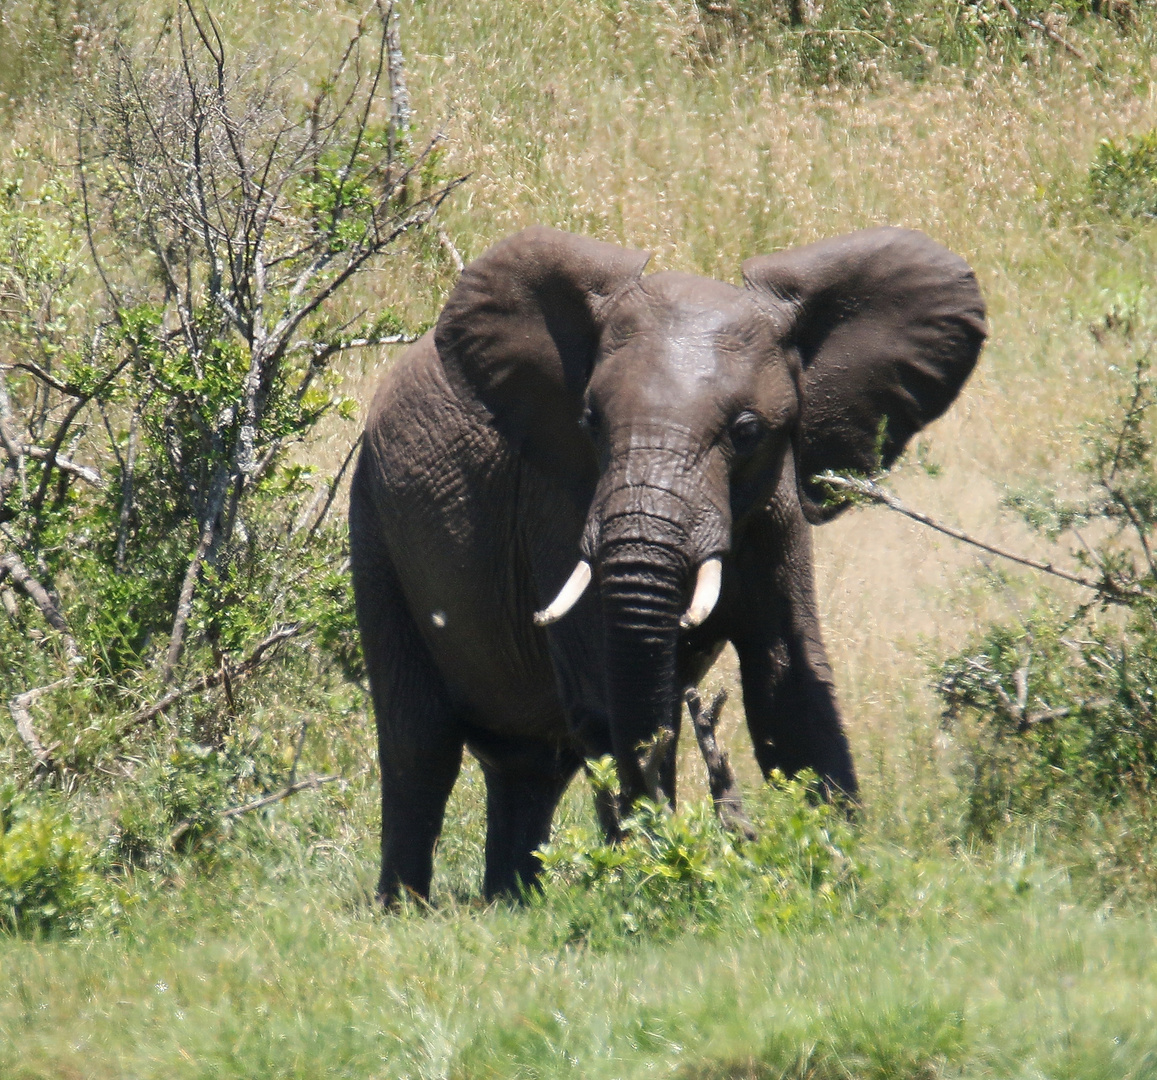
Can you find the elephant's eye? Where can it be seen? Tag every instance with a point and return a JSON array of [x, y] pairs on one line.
[[747, 432], [592, 420]]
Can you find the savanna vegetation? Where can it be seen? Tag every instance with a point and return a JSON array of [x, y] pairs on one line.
[[216, 224]]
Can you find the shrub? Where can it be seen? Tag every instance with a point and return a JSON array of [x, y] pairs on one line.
[[674, 872], [1123, 178], [846, 42], [1057, 715], [47, 882]]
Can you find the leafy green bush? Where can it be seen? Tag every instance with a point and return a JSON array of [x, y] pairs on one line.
[[674, 872], [1055, 715], [47, 882], [1123, 178]]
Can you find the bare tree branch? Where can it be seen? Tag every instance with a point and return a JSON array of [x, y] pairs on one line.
[[260, 654], [19, 707], [873, 492], [400, 110], [448, 246], [720, 776], [310, 782], [1048, 31], [83, 472], [11, 566], [206, 540], [333, 488]]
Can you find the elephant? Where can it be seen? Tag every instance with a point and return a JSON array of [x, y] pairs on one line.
[[584, 481]]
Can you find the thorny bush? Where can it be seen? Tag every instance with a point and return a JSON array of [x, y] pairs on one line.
[[1056, 717]]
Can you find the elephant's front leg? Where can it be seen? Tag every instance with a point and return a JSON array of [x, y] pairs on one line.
[[788, 692]]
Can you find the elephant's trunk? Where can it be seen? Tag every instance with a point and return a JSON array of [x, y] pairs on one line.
[[656, 518], [644, 592]]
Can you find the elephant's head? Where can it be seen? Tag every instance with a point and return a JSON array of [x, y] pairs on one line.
[[672, 404]]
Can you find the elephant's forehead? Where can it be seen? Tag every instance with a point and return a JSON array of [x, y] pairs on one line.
[[689, 330], [686, 313], [693, 299]]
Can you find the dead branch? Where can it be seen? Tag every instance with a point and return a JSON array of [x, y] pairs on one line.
[[84, 472], [128, 489], [206, 542], [720, 776], [70, 389], [216, 677], [323, 350], [11, 566], [873, 492], [258, 804], [401, 112], [284, 793], [447, 246], [1047, 715], [20, 707]]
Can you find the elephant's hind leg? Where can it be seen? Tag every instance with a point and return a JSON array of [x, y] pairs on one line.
[[420, 738]]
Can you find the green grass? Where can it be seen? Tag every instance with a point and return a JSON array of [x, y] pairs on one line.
[[944, 964]]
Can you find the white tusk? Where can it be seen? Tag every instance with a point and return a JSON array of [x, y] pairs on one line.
[[707, 586], [568, 595]]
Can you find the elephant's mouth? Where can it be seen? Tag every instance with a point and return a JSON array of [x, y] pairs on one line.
[[708, 582]]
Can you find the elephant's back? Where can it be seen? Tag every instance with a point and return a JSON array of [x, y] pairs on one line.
[[446, 491]]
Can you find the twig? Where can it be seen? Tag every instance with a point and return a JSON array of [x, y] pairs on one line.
[[1048, 31], [872, 491], [11, 566], [297, 751], [448, 246], [214, 678], [720, 776], [334, 485], [19, 707], [257, 804]]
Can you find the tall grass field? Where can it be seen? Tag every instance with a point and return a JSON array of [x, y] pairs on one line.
[[988, 913]]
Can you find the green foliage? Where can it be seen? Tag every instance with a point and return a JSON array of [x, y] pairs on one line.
[[1123, 176], [47, 881], [674, 872]]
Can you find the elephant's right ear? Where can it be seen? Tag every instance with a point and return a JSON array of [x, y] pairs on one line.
[[521, 330]]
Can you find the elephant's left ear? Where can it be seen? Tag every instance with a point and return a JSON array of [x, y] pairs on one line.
[[888, 325]]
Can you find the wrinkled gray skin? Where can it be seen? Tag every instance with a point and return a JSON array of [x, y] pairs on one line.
[[567, 406]]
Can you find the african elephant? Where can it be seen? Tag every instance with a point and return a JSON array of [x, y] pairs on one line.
[[570, 421]]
